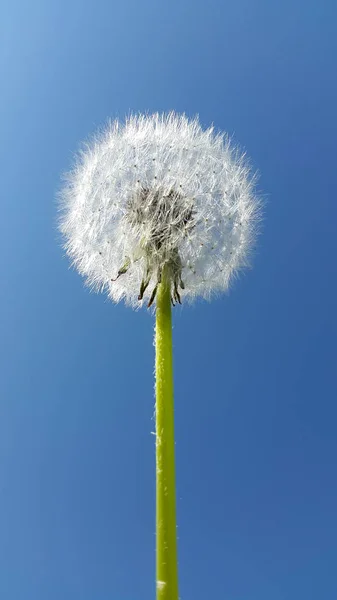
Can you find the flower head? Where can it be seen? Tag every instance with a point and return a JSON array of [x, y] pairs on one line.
[[159, 192]]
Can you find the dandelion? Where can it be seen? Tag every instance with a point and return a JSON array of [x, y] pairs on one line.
[[158, 210]]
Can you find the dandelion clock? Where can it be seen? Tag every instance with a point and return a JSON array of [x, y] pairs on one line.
[[158, 211]]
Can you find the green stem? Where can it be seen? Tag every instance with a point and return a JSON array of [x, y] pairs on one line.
[[166, 534]]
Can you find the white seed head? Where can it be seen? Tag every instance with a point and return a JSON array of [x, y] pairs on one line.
[[159, 191]]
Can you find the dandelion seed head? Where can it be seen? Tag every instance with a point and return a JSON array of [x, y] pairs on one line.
[[159, 191]]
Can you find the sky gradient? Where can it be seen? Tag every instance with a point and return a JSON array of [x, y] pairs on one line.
[[255, 370]]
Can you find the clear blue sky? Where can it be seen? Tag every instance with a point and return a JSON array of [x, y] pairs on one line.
[[255, 371]]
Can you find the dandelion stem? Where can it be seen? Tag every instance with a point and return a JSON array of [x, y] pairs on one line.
[[166, 535]]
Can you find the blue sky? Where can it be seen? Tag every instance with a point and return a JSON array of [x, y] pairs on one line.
[[255, 371]]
